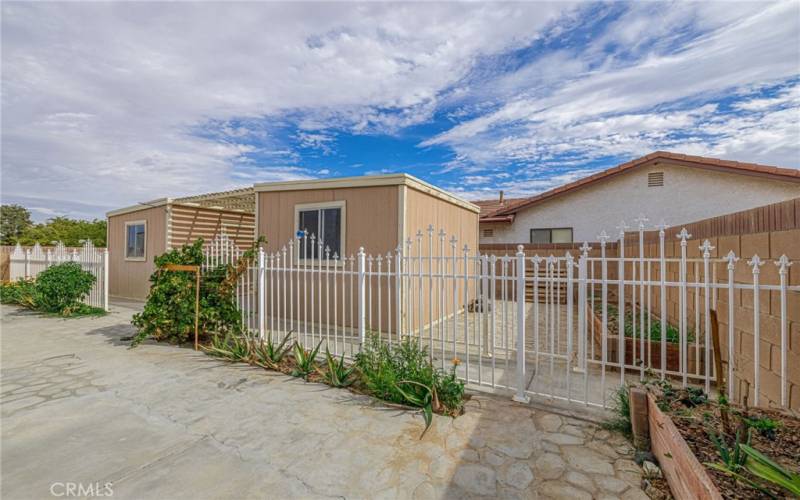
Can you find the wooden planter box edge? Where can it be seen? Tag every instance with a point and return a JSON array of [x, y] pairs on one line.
[[686, 476]]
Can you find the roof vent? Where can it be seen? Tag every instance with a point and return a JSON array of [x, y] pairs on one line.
[[488, 233], [655, 179]]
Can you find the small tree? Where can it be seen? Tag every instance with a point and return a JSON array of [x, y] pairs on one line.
[[14, 220]]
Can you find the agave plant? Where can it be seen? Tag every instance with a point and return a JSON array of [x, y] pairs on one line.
[[761, 466], [305, 360], [428, 401], [231, 347], [269, 354], [338, 373]]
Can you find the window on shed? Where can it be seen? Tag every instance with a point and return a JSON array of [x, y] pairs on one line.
[[552, 235], [655, 179], [135, 239], [326, 225]]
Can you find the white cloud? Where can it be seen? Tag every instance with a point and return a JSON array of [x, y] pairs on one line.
[[618, 108], [104, 101], [114, 103]]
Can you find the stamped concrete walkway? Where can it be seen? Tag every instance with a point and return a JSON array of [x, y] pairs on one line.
[[161, 422]]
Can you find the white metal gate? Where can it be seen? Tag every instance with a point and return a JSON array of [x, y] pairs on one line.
[[567, 327]]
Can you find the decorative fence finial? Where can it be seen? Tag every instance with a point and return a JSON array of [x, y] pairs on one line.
[[783, 264], [706, 248], [603, 237], [755, 263], [683, 235], [731, 259]]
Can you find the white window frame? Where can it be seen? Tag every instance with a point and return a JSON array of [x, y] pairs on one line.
[[143, 258], [302, 207]]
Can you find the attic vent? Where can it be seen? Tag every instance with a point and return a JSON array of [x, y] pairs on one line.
[[655, 179], [488, 233]]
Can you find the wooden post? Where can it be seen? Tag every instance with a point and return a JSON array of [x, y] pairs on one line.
[[640, 425], [717, 352], [196, 271]]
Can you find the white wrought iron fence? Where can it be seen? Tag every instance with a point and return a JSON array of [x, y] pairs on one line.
[[28, 263], [567, 327]]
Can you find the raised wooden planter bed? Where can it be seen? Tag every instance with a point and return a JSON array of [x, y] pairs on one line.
[[686, 476], [632, 350]]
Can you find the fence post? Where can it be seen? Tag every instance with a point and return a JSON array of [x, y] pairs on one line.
[[783, 269], [106, 305], [262, 299], [520, 395], [28, 263], [362, 293]]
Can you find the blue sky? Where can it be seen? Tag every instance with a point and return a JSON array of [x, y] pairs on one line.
[[106, 105]]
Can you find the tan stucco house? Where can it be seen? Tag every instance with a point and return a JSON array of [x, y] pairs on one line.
[[668, 187]]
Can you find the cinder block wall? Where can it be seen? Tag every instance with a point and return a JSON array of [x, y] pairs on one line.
[[769, 232]]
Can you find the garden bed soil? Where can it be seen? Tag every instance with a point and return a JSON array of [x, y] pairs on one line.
[[694, 423]]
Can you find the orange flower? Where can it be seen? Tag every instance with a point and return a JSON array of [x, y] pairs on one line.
[[456, 361]]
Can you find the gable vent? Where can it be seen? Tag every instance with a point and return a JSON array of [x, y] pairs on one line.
[[655, 179], [488, 233]]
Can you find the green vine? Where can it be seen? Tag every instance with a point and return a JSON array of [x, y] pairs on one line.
[[168, 314]]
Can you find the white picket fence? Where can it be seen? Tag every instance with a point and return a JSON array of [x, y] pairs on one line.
[[28, 263], [528, 324]]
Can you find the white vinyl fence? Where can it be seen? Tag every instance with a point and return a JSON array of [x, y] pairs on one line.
[[28, 263], [543, 326]]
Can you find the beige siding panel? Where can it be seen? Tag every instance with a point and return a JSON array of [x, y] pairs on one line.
[[371, 216], [188, 223], [371, 221], [423, 210], [130, 278]]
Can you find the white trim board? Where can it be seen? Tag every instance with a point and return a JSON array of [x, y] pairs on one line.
[[140, 206]]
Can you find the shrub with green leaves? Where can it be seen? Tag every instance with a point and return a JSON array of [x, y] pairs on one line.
[[60, 289], [169, 312], [402, 373], [21, 292]]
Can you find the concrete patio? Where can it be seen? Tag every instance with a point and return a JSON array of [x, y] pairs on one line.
[[165, 422]]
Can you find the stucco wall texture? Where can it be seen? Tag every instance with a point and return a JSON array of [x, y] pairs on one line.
[[688, 194]]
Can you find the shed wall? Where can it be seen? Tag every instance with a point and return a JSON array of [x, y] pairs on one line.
[[129, 279]]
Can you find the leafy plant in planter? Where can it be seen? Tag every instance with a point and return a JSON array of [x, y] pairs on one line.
[[762, 467]]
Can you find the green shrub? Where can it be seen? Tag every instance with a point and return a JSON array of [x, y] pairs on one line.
[[402, 373], [621, 409], [60, 289], [169, 312], [22, 293]]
